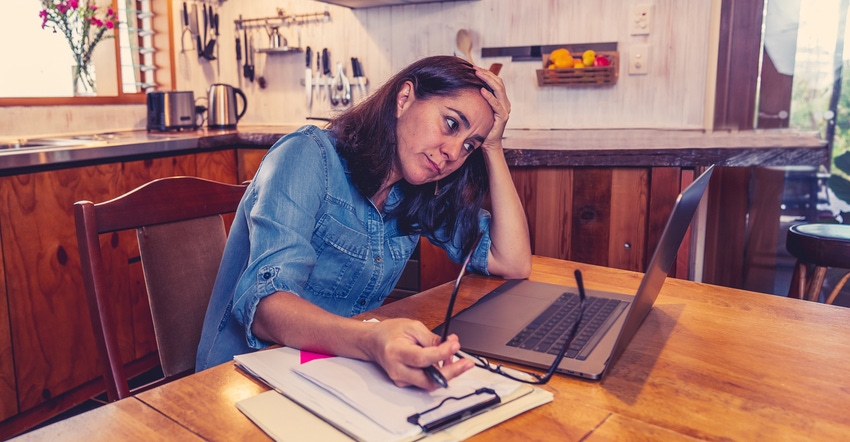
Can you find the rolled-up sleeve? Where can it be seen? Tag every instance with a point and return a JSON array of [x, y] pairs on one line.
[[285, 196]]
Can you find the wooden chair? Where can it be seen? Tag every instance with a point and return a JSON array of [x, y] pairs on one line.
[[817, 247], [181, 237]]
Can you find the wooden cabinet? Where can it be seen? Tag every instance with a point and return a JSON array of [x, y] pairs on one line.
[[48, 359], [8, 393], [52, 340], [605, 216]]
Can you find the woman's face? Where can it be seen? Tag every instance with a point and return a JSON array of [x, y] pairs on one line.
[[435, 136]]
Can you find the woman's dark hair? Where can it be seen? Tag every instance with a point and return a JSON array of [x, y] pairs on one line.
[[366, 138]]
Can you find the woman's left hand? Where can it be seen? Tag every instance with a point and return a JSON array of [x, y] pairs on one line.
[[500, 104]]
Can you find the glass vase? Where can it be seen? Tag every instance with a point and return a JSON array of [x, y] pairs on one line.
[[84, 80]]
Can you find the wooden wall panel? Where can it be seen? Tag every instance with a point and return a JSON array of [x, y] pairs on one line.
[[665, 187], [524, 179], [8, 393], [554, 200], [763, 229], [629, 207], [54, 352], [682, 267], [726, 226], [591, 215], [435, 267]]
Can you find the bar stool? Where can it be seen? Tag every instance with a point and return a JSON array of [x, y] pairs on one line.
[[817, 246]]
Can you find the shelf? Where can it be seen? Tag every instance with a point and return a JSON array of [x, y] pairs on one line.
[[283, 50]]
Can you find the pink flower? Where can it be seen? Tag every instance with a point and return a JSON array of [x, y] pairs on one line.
[[110, 24], [74, 4]]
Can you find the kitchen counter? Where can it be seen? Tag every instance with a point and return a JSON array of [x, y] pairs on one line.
[[600, 147]]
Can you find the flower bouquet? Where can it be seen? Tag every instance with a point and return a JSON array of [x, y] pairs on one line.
[[84, 28]]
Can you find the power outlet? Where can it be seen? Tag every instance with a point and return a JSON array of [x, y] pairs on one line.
[[640, 20], [639, 60]]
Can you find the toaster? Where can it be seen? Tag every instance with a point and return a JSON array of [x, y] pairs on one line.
[[174, 110]]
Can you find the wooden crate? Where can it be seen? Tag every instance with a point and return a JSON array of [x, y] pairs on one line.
[[586, 76]]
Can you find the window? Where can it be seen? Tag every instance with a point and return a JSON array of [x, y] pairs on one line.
[[39, 70]]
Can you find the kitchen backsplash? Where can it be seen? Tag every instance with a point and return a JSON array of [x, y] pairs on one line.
[[671, 95]]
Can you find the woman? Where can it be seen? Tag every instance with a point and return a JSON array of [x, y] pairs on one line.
[[332, 216]]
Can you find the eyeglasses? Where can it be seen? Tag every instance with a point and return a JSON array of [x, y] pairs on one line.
[[517, 375]]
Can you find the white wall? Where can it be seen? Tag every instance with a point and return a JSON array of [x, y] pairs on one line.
[[671, 95]]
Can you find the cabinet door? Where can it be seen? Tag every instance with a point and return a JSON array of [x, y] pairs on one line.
[[8, 393], [248, 161], [52, 339], [217, 166]]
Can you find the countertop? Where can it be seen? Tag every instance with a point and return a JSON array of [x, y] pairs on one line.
[[585, 147]]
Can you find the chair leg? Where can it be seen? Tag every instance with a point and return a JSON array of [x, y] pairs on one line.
[[797, 288], [837, 288], [816, 283]]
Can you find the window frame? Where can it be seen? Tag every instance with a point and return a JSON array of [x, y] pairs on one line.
[[163, 42]]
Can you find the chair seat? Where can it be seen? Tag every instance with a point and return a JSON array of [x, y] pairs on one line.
[[824, 245]]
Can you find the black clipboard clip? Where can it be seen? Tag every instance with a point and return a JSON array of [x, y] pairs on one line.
[[452, 410]]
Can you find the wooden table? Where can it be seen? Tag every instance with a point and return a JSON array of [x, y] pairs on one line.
[[708, 363]]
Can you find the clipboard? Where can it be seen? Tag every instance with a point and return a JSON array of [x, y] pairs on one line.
[[452, 419], [453, 410]]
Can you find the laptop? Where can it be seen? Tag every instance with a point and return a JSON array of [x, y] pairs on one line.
[[526, 322]]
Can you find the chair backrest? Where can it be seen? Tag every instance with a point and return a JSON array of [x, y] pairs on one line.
[[181, 237]]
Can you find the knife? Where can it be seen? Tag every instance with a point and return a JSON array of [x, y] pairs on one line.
[[195, 28], [357, 70], [238, 57], [251, 57], [245, 67], [308, 78], [326, 69], [319, 79]]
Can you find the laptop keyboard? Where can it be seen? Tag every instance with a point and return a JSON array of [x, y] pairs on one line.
[[547, 332]]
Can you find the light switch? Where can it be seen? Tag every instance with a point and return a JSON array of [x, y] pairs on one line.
[[640, 20], [639, 60]]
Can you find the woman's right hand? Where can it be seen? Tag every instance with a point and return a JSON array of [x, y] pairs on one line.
[[403, 347]]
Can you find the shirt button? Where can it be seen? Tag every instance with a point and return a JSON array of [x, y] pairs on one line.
[[267, 275], [379, 259], [362, 302]]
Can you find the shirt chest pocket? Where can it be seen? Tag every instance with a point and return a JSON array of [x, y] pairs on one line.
[[341, 258]]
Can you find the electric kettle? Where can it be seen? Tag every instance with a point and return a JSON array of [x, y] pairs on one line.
[[222, 106]]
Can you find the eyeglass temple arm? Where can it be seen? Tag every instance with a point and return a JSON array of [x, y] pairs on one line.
[[457, 286], [560, 357]]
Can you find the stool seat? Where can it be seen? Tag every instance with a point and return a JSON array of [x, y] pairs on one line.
[[818, 246]]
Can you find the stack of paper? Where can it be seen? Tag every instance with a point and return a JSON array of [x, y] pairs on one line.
[[358, 399]]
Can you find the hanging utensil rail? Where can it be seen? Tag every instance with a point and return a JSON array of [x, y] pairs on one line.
[[283, 19]]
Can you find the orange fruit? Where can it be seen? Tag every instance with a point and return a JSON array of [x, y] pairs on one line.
[[563, 62], [559, 53]]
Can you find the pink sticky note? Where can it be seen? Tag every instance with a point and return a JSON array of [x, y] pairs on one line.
[[307, 356]]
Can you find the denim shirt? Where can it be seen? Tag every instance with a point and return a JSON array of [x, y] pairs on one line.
[[302, 227]]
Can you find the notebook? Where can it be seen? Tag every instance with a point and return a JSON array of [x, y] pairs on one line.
[[500, 324]]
